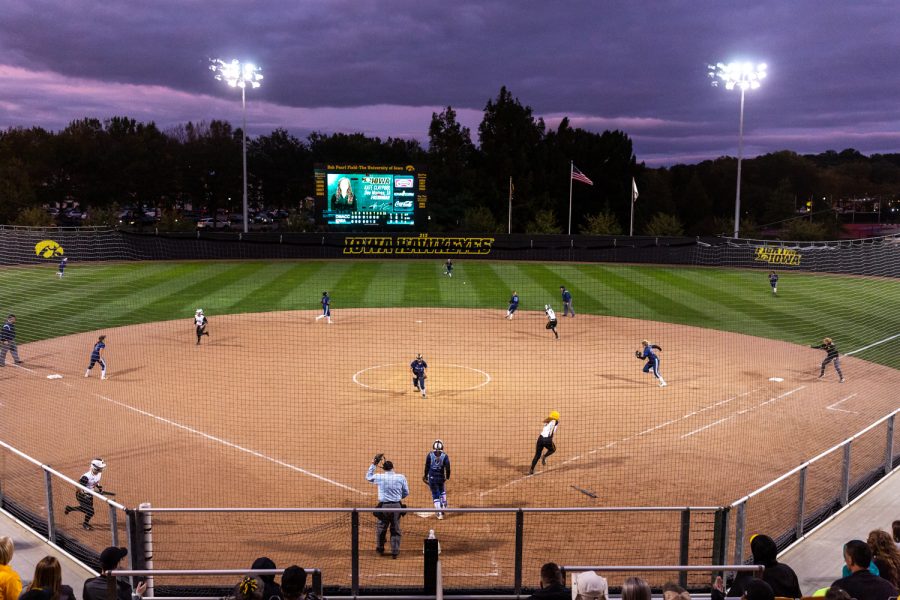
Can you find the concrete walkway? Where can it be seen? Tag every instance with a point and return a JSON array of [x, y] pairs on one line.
[[818, 557], [30, 548]]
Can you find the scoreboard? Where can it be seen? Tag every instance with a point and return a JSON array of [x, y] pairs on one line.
[[362, 196]]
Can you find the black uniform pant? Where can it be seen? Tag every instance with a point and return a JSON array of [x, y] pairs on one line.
[[85, 505], [837, 366], [542, 442], [390, 520]]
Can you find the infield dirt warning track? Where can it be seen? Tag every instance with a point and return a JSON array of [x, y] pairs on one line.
[[278, 409]]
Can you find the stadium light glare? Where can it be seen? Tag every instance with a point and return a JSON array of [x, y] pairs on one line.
[[238, 74], [743, 76]]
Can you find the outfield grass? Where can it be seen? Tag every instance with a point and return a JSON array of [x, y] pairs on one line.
[[855, 311]]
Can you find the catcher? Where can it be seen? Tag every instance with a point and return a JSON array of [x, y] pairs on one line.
[[437, 473], [418, 367], [392, 488], [652, 359], [90, 480], [545, 440]]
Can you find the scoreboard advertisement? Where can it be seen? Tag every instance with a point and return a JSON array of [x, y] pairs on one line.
[[360, 196]]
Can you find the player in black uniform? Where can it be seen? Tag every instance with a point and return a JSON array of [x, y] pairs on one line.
[[832, 355]]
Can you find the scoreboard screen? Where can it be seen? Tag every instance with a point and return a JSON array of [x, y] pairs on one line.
[[355, 196]]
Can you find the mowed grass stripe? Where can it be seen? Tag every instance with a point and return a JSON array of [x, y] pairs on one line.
[[307, 293], [385, 289], [420, 286], [354, 283], [283, 292], [532, 292], [488, 287], [586, 295]]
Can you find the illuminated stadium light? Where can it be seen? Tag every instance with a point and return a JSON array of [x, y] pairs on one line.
[[744, 76], [238, 74]]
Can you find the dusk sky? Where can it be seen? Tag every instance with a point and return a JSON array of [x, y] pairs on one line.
[[382, 68]]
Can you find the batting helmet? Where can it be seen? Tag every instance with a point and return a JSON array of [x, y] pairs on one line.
[[437, 445], [418, 357], [98, 464], [546, 307], [199, 311], [554, 415]]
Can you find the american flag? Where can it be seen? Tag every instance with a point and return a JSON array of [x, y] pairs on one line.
[[579, 176]]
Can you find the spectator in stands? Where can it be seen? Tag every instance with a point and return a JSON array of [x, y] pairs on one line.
[[673, 591], [885, 555], [10, 582], [636, 588], [552, 587], [589, 586], [861, 583], [778, 575], [95, 587], [270, 590], [250, 588], [895, 527], [35, 594], [293, 585], [758, 589], [836, 594], [48, 577]]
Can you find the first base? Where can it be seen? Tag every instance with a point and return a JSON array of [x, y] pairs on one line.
[[54, 376], [776, 379]]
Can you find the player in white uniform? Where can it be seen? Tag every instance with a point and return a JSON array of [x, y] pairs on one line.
[[200, 323], [545, 440], [90, 480], [551, 319]]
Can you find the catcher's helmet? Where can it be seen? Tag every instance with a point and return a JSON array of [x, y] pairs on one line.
[[554, 415], [418, 357], [437, 445], [98, 464]]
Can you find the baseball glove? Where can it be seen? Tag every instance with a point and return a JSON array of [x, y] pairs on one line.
[[425, 478], [378, 458], [638, 354]]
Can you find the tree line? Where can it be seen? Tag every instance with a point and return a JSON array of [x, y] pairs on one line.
[[103, 165]]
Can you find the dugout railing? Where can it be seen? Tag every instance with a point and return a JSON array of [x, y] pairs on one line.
[[790, 506]]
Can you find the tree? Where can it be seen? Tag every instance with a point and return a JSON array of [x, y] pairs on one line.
[[603, 223], [802, 230], [480, 220], [16, 192], [544, 222], [663, 225], [34, 217]]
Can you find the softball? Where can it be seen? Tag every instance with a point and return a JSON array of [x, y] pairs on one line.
[[464, 283]]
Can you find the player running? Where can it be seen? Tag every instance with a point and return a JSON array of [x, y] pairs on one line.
[[418, 367], [200, 324], [62, 268], [326, 307], [513, 305], [832, 356], [448, 268], [90, 480], [437, 473], [773, 281], [96, 357], [551, 319], [545, 440], [652, 359]]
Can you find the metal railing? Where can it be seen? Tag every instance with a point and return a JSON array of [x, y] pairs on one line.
[[798, 527], [682, 570], [150, 574]]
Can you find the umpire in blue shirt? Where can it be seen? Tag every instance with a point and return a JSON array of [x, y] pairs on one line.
[[392, 488], [8, 341]]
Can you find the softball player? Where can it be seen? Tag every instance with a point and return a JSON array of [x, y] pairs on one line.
[[97, 358], [551, 319], [545, 440], [448, 268], [200, 324], [513, 305], [567, 301], [437, 473], [62, 267], [773, 281], [418, 367], [326, 307], [832, 356], [90, 480], [652, 359]]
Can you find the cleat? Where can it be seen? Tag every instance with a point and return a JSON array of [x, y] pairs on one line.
[[663, 384], [68, 509], [87, 526], [440, 516]]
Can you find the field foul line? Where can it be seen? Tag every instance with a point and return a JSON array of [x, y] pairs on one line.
[[621, 441], [216, 439], [743, 412], [832, 407], [878, 343]]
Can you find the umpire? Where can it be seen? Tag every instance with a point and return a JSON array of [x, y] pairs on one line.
[[8, 341], [392, 488]]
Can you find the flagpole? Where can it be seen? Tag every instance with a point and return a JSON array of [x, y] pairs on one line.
[[509, 225], [631, 226], [571, 166]]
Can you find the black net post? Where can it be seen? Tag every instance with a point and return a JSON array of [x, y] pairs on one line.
[[431, 550], [354, 552], [520, 532], [685, 545], [720, 540]]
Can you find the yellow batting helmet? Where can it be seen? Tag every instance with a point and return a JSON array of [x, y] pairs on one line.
[[554, 415]]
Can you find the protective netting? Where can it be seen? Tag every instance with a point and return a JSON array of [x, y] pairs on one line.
[[278, 407]]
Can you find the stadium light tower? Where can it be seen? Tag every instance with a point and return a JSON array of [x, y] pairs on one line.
[[744, 76], [238, 74]]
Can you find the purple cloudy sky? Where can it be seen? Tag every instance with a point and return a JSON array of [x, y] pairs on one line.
[[383, 67]]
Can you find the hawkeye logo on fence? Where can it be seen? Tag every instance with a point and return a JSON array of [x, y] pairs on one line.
[[423, 244], [778, 256], [48, 249]]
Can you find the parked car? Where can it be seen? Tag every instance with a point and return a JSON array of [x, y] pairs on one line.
[[210, 223]]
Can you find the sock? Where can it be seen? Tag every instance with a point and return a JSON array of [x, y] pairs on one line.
[[444, 500]]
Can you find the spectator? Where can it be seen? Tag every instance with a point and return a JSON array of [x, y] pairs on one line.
[[895, 527], [270, 589], [885, 555], [635, 588], [250, 588], [861, 584], [48, 577], [10, 582], [589, 586], [758, 589], [293, 585], [95, 587], [834, 593], [35, 594], [552, 587], [673, 591], [778, 575]]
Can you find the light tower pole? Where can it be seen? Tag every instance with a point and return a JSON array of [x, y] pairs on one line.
[[744, 76], [238, 74]]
